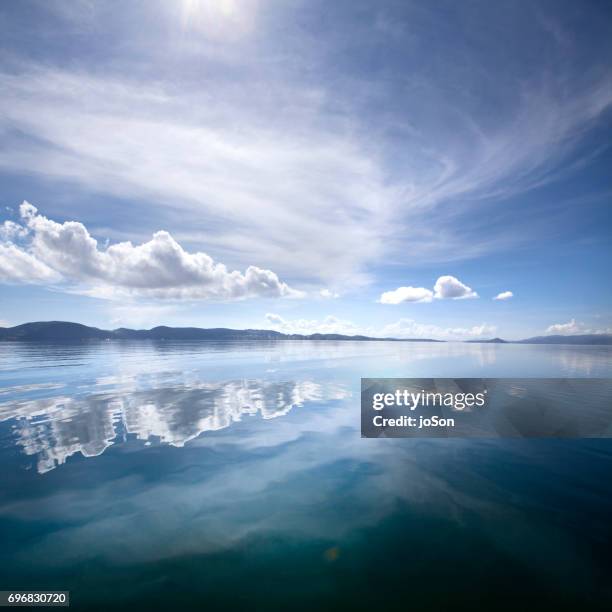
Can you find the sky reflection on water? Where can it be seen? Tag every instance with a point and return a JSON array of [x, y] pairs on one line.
[[141, 453], [170, 393]]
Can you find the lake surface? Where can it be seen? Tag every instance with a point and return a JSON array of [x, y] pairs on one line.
[[233, 476]]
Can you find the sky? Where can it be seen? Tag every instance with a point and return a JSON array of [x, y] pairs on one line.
[[408, 169]]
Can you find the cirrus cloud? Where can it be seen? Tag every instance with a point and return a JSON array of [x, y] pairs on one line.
[[160, 268]]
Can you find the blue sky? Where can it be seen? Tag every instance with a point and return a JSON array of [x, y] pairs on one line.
[[382, 167]]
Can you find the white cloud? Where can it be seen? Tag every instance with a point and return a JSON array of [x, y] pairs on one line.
[[446, 287], [274, 319], [574, 327], [328, 294], [10, 230], [406, 294], [141, 315], [159, 268], [408, 328], [404, 328], [329, 325], [18, 266], [269, 188], [571, 327], [449, 287], [504, 295], [274, 183]]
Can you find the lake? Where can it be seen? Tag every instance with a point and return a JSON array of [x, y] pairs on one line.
[[143, 475]]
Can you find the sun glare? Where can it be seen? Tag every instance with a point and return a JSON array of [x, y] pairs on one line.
[[220, 17]]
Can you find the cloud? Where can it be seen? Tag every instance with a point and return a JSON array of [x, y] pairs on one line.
[[18, 266], [329, 325], [571, 327], [504, 295], [408, 328], [269, 189], [10, 230], [406, 294], [328, 294], [159, 268], [446, 287], [141, 315], [403, 328], [449, 287], [272, 182], [574, 327]]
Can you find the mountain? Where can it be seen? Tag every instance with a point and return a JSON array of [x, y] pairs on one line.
[[52, 331], [194, 333], [588, 339], [61, 331], [576, 339]]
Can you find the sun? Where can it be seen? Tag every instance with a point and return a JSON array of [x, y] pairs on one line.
[[215, 16]]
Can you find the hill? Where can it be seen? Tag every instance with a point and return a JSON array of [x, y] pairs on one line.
[[576, 339], [63, 331]]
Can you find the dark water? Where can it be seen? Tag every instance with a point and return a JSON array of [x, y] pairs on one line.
[[232, 476]]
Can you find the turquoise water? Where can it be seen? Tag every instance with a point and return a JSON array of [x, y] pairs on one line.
[[233, 476]]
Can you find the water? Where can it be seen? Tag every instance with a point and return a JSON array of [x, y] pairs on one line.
[[233, 476]]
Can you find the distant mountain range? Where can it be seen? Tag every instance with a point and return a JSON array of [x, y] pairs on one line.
[[574, 339], [61, 331]]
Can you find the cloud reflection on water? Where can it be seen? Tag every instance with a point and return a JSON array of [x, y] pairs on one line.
[[306, 477], [53, 429]]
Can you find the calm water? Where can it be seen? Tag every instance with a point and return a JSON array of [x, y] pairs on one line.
[[233, 476]]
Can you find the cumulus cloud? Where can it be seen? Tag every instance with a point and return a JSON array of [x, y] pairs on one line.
[[575, 327], [406, 294], [404, 328], [449, 287], [271, 188], [571, 327], [308, 155], [446, 287], [10, 230], [328, 325], [408, 328], [504, 295], [18, 266], [160, 268]]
